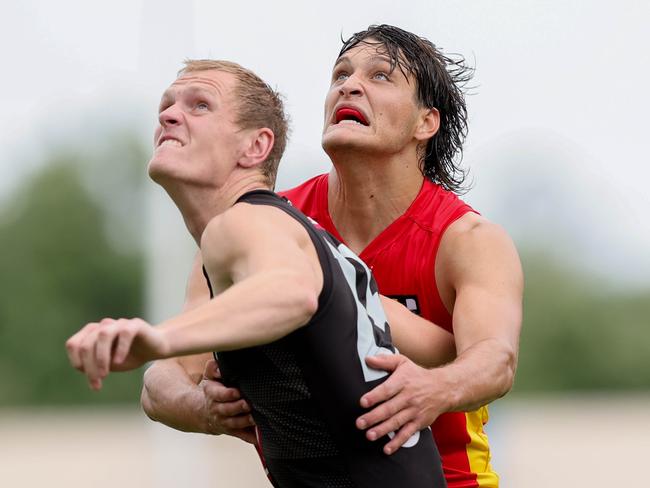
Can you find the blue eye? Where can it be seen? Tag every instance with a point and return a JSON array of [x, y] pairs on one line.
[[381, 76], [202, 106], [341, 76]]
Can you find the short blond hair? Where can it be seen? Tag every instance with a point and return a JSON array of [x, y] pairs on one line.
[[259, 106]]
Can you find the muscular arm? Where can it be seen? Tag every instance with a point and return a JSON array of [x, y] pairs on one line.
[[269, 294], [480, 279], [182, 394], [172, 394], [421, 341], [176, 393], [268, 270], [481, 265]]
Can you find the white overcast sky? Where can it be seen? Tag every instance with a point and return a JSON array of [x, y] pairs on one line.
[[559, 120]]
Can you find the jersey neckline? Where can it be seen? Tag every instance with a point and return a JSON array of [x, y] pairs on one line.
[[386, 237]]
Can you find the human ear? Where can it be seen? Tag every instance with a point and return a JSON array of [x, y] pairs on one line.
[[258, 146], [429, 125]]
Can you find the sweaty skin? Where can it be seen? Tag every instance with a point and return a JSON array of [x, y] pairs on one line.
[[375, 178]]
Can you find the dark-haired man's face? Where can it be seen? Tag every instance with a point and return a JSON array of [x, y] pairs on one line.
[[368, 107]]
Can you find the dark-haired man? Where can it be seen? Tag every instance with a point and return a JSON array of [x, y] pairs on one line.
[[294, 314], [395, 121]]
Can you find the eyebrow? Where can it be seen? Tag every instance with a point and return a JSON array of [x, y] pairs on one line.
[[376, 59], [341, 59], [166, 101], [198, 90], [168, 94]]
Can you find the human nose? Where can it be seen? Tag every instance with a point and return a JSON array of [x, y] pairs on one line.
[[170, 116], [350, 87]]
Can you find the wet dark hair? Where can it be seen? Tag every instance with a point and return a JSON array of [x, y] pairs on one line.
[[440, 82]]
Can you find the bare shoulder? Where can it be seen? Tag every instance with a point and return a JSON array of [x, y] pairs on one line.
[[233, 229], [229, 224], [244, 220], [228, 234], [473, 245], [248, 233], [473, 229]]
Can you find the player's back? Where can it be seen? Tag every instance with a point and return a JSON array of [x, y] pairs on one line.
[[305, 388]]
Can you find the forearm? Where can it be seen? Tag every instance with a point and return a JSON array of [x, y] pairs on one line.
[[412, 397], [423, 342], [255, 311], [171, 396], [480, 265], [482, 373]]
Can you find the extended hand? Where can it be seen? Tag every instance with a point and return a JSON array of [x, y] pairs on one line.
[[405, 403], [226, 411], [114, 345]]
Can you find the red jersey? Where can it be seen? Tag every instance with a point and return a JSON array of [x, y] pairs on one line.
[[402, 258]]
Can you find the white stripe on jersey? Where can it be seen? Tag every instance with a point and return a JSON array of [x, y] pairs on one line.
[[366, 345]]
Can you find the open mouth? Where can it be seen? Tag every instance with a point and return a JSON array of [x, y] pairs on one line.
[[170, 142], [350, 114]]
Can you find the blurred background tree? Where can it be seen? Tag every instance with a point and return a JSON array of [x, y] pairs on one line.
[[72, 235], [580, 332], [71, 254]]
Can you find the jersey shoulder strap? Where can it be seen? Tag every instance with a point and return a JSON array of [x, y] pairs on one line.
[[316, 233]]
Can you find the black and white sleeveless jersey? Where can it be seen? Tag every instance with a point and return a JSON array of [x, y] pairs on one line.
[[305, 388]]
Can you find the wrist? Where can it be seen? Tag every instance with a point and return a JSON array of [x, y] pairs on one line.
[[446, 387], [185, 412], [198, 413], [168, 346]]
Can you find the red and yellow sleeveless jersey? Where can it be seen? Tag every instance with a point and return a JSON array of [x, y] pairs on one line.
[[402, 259]]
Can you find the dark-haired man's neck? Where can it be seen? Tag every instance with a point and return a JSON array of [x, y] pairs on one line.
[[367, 194]]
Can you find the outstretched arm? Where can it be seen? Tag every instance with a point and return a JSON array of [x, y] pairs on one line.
[[176, 393], [259, 257], [272, 294]]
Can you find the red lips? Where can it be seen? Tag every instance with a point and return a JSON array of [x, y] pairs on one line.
[[350, 114]]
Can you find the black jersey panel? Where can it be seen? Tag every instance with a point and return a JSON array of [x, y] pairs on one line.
[[305, 388]]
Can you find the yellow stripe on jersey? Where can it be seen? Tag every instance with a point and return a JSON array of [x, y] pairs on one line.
[[478, 449]]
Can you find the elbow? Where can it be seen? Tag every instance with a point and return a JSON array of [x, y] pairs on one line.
[[299, 297], [509, 368], [146, 402], [147, 405], [306, 305]]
